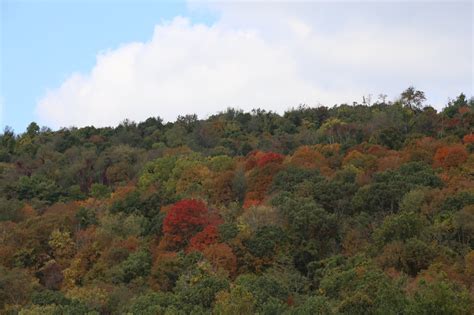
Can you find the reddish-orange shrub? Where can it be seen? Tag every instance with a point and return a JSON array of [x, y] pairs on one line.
[[250, 201], [269, 157], [377, 150], [468, 138], [260, 159], [464, 109], [121, 192], [422, 149], [208, 236], [308, 157], [450, 156], [130, 244], [389, 162], [164, 270], [221, 256], [220, 188]]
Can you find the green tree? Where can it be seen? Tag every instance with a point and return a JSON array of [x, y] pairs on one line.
[[412, 98], [317, 305], [32, 130], [238, 301], [138, 264], [399, 227], [99, 191], [440, 297]]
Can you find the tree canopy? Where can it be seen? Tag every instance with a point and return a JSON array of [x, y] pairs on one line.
[[351, 209]]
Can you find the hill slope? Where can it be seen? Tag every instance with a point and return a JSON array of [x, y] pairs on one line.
[[345, 210]]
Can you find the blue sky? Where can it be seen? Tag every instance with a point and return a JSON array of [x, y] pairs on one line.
[[66, 63], [43, 42]]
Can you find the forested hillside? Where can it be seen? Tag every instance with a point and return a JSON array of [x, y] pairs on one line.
[[351, 209]]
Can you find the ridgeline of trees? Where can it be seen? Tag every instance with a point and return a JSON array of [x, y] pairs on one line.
[[354, 209]]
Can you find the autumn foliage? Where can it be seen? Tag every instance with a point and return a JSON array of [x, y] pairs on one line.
[[351, 209], [200, 241], [261, 159], [221, 256], [269, 157], [450, 156], [184, 219], [468, 138], [262, 167], [309, 157]]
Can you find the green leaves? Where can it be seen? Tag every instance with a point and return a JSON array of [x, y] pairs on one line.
[[138, 264], [265, 241], [319, 211], [399, 227], [389, 187], [39, 187], [439, 298]]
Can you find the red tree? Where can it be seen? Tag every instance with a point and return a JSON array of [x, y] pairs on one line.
[[269, 157], [184, 219], [260, 159], [261, 167]]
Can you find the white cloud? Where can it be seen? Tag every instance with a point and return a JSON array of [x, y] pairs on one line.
[[272, 57], [185, 68]]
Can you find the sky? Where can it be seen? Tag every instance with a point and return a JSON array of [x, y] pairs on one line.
[[79, 63]]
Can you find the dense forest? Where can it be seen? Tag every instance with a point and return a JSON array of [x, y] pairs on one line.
[[350, 209]]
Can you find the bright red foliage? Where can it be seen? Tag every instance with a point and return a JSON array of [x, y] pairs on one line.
[[184, 219], [269, 157], [260, 159]]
